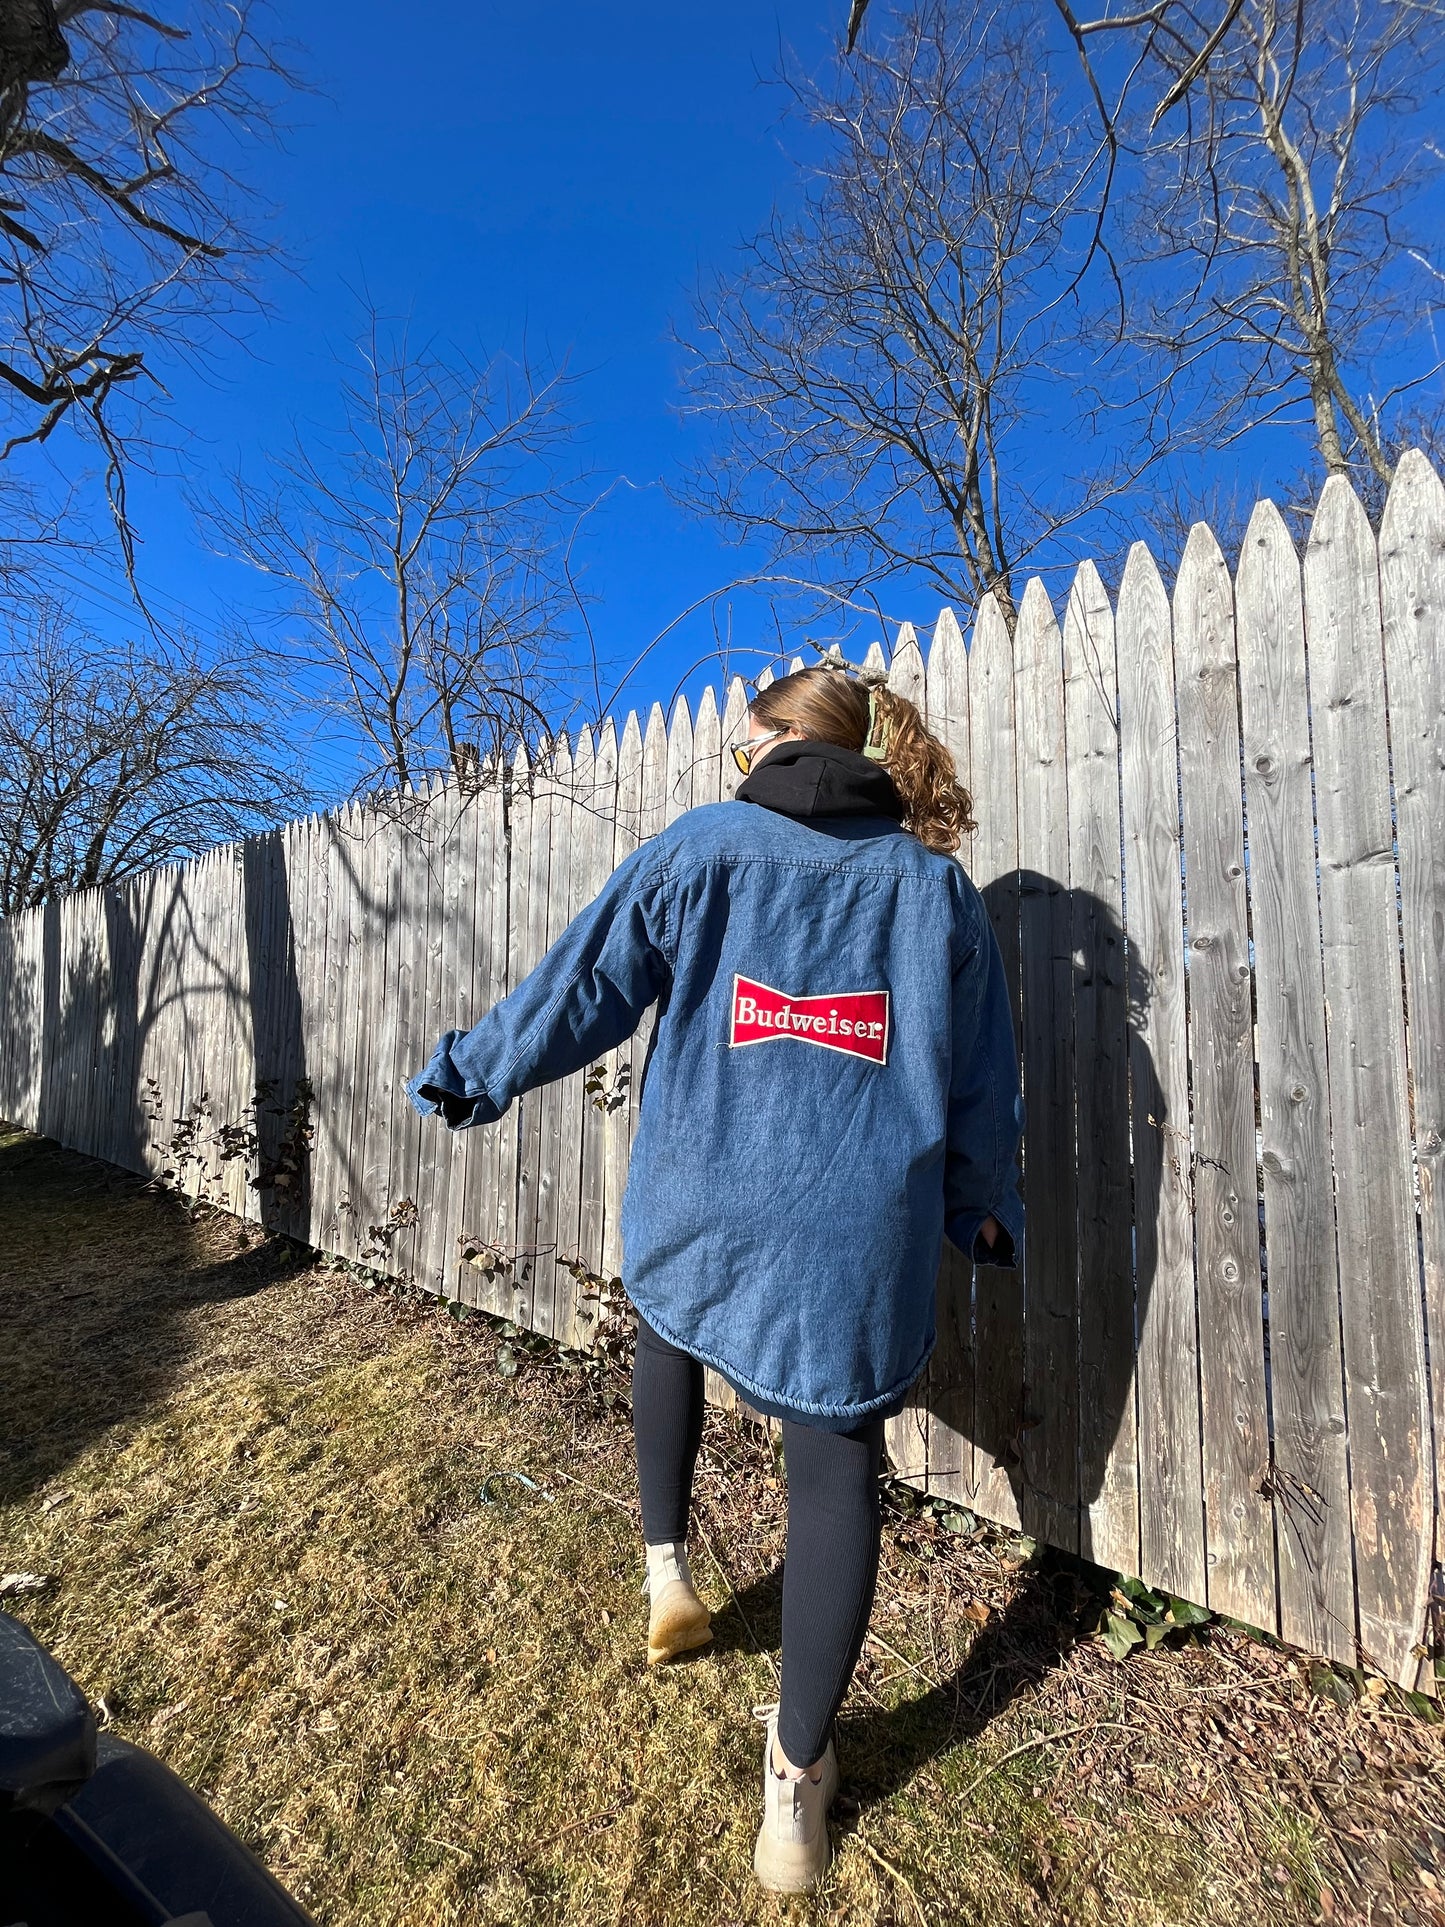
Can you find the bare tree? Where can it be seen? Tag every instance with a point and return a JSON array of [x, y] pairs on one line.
[[874, 371], [1282, 268], [418, 558], [125, 237], [115, 759]]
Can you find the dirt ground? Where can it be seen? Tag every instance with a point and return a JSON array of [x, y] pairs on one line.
[[281, 1540]]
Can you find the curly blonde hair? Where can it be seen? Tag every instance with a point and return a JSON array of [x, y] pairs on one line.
[[830, 706]]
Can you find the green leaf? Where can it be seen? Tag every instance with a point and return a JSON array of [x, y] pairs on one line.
[[1154, 1633], [1120, 1634], [1186, 1613], [506, 1361]]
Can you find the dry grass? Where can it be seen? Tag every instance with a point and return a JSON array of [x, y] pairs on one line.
[[260, 1496]]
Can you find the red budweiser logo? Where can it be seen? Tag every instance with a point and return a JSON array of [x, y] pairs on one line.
[[856, 1021]]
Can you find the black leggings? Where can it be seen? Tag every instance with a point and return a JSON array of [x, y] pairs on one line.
[[831, 1567]]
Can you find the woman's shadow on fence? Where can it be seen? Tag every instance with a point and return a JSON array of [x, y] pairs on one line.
[[1027, 1411]]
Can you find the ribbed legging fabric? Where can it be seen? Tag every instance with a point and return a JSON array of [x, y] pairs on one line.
[[831, 1566]]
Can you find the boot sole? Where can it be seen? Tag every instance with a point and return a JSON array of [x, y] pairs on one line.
[[680, 1631], [782, 1876]]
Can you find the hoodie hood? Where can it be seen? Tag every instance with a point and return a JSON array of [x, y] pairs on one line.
[[821, 779]]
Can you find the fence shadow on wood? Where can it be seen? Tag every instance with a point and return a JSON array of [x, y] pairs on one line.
[[1033, 1390]]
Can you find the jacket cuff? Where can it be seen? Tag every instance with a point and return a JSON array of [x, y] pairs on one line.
[[1007, 1250], [441, 1090]]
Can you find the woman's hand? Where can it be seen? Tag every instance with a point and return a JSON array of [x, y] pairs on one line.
[[990, 1229]]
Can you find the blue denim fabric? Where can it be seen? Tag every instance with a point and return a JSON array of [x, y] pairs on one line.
[[787, 1202]]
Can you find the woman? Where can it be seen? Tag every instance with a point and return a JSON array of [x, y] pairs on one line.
[[785, 1209]]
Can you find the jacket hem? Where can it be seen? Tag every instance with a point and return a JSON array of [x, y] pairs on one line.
[[809, 1411]]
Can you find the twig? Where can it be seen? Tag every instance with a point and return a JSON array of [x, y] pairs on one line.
[[596, 1491], [929, 1679], [588, 1820], [893, 1873], [451, 1845], [1039, 1739]]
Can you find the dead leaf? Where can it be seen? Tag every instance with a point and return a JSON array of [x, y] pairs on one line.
[[13, 1582]]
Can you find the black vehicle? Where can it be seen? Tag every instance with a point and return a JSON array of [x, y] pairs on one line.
[[97, 1833]]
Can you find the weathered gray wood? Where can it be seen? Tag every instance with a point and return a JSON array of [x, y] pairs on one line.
[[1050, 1498], [489, 1195], [383, 969], [949, 1392], [678, 792], [618, 1122], [580, 892], [946, 696], [601, 813], [1171, 1521], [170, 1035], [528, 881], [201, 981], [652, 817], [905, 670], [1108, 1417], [1239, 1513], [448, 933], [345, 1135], [127, 936], [147, 948], [707, 751], [1312, 1500], [406, 970], [1386, 1411], [326, 1074], [320, 929], [906, 1436], [553, 1286], [63, 1047], [294, 880], [734, 730], [529, 930], [993, 863], [467, 937], [1412, 588]]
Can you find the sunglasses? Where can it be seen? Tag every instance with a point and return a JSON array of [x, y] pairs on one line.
[[743, 753]]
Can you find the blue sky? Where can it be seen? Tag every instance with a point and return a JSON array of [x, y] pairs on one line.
[[555, 175]]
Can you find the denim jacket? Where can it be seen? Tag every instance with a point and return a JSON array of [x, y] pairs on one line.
[[785, 1209]]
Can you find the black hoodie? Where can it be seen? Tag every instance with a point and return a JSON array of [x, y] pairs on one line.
[[821, 779]]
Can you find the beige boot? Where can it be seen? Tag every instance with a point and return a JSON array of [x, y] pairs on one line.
[[677, 1620], [792, 1851]]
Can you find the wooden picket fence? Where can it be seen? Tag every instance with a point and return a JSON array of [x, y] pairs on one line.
[[1215, 1372]]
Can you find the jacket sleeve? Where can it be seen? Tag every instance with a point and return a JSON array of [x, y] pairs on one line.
[[587, 994], [985, 1110]]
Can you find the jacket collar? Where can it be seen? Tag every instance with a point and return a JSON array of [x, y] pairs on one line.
[[821, 779]]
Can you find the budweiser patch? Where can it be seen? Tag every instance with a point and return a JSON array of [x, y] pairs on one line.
[[855, 1021]]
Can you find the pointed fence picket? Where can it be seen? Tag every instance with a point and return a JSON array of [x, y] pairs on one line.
[[1207, 842]]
